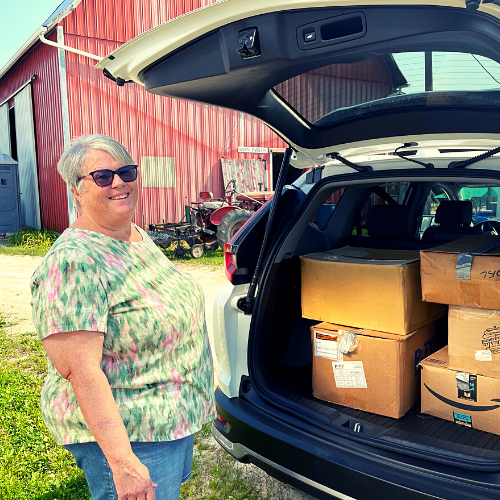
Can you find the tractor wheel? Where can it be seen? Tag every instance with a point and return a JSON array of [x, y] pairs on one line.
[[230, 224], [197, 251]]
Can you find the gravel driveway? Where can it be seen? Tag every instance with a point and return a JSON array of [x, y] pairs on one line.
[[15, 273]]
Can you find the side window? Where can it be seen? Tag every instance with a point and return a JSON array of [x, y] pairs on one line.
[[436, 196], [322, 216], [484, 201]]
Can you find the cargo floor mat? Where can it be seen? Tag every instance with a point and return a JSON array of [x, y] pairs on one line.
[[415, 429]]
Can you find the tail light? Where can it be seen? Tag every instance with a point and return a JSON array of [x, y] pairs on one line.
[[229, 262], [221, 420]]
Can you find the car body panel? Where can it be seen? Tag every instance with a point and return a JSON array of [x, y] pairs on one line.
[[128, 60], [231, 328]]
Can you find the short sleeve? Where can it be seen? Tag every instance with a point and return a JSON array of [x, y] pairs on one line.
[[68, 293]]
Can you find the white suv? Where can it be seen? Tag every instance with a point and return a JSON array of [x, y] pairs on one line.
[[391, 103]]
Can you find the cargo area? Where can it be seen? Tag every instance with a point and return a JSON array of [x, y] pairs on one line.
[[283, 367]]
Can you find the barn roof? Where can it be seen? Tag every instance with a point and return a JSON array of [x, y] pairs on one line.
[[65, 8]]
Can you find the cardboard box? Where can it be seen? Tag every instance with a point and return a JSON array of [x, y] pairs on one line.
[[474, 340], [461, 397], [366, 288], [463, 272], [371, 371]]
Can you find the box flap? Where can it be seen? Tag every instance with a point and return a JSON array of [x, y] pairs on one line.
[[438, 359], [472, 244], [370, 256]]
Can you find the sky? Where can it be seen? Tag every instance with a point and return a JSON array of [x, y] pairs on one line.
[[20, 19]]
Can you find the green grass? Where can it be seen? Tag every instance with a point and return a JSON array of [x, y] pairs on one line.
[[33, 467], [212, 259], [10, 250], [37, 243]]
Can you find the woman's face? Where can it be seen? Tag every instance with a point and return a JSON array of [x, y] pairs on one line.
[[110, 206]]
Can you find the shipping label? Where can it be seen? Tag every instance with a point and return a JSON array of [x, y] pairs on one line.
[[467, 386], [349, 375], [326, 346], [483, 356], [462, 419]]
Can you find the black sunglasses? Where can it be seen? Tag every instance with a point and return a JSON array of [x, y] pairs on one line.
[[103, 178]]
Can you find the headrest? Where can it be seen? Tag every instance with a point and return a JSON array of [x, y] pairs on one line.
[[454, 213], [387, 221]]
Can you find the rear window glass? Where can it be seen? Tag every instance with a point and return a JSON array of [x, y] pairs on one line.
[[337, 92]]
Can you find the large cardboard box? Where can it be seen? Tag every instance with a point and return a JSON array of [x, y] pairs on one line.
[[367, 288], [464, 272], [462, 397], [371, 371], [474, 340]]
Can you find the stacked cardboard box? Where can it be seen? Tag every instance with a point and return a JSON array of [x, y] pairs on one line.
[[462, 382], [370, 364]]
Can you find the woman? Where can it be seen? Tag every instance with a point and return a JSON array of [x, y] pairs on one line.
[[130, 375]]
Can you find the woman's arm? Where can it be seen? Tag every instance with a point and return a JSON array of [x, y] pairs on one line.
[[77, 358]]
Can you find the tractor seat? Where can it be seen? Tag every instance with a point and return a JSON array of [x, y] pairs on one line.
[[213, 205], [260, 196], [453, 219]]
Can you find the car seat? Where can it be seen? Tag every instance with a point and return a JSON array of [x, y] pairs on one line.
[[453, 219], [387, 227]]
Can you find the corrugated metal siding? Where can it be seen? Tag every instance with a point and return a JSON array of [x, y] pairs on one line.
[[196, 136], [42, 61]]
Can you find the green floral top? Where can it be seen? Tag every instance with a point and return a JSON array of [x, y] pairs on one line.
[[156, 353]]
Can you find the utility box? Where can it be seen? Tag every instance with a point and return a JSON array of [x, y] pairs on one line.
[[10, 201]]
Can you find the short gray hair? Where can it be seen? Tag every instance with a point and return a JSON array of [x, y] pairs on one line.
[[70, 165]]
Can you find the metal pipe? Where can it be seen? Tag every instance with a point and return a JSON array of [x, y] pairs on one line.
[[69, 49]]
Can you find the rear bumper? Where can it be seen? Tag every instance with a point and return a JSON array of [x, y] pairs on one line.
[[341, 469]]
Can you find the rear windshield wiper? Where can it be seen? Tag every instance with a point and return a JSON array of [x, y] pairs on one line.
[[474, 159], [403, 157], [341, 159]]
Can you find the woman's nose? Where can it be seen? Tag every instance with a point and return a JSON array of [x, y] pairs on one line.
[[117, 181]]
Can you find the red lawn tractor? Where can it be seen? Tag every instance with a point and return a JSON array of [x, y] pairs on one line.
[[210, 222]]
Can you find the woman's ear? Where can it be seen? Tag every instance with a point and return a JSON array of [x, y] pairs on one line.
[[78, 196]]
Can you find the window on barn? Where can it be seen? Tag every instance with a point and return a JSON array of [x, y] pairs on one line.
[[157, 172]]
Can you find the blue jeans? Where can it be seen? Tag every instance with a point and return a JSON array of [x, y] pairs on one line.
[[169, 464]]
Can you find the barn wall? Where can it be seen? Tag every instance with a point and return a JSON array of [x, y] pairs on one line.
[[42, 61], [196, 136]]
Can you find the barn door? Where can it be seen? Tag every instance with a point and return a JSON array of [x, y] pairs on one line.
[[5, 130], [26, 157]]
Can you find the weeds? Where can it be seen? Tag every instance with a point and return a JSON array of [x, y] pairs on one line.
[[33, 238]]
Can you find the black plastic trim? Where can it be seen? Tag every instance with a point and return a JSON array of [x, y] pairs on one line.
[[351, 468]]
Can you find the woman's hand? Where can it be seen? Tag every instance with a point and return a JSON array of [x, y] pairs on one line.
[[132, 480]]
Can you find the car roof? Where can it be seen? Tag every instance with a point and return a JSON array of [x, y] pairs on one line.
[[254, 57]]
